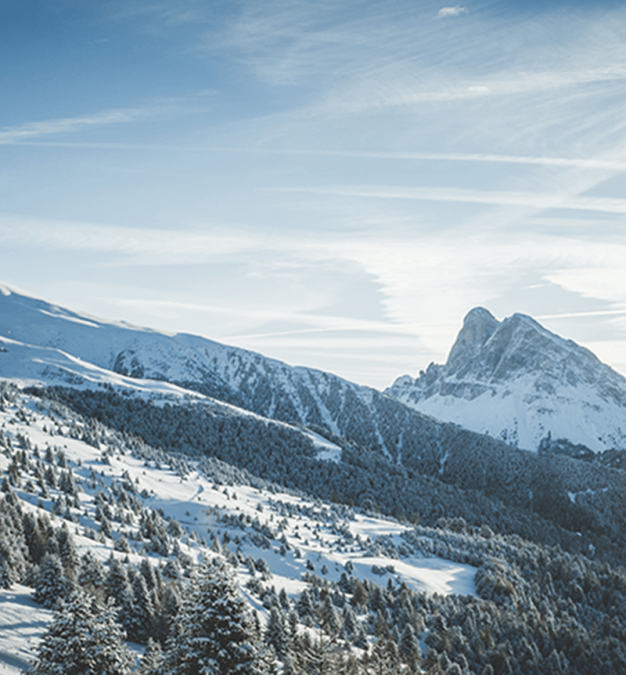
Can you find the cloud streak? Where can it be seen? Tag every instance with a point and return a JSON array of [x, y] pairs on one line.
[[563, 162], [523, 199], [140, 246], [67, 125], [29, 132]]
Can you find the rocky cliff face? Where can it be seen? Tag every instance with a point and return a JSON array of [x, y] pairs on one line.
[[517, 381]]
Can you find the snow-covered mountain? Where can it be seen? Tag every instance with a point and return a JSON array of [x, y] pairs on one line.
[[517, 381], [43, 343], [77, 345], [352, 531]]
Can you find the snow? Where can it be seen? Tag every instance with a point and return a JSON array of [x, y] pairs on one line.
[[518, 382], [327, 450], [518, 414], [47, 345], [22, 622], [194, 501]]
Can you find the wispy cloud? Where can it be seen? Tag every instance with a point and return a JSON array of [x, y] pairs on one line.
[[159, 16], [525, 199], [601, 164], [70, 125], [316, 322], [431, 282], [67, 125], [564, 162], [166, 246], [451, 11]]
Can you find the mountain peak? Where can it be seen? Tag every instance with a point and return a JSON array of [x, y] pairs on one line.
[[516, 380], [479, 325]]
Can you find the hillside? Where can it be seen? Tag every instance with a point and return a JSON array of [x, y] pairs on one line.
[[86, 507]]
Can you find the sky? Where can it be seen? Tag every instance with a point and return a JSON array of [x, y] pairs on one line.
[[331, 184]]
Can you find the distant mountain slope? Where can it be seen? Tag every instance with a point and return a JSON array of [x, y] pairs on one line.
[[248, 380], [517, 381]]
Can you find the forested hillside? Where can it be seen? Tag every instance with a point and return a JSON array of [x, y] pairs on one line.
[[115, 529], [448, 472]]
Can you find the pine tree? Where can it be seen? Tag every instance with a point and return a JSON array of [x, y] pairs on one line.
[[214, 633], [12, 562], [117, 585], [151, 658], [409, 646], [35, 536], [276, 633], [83, 641], [320, 656], [67, 551], [328, 617], [304, 607], [91, 574], [50, 584], [139, 617]]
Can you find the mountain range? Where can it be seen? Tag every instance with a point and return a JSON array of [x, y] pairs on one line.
[[366, 531], [512, 380]]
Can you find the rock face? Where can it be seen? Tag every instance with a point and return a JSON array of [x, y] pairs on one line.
[[517, 381]]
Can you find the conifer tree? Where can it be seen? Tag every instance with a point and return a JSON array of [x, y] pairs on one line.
[[91, 573], [35, 536], [151, 658], [276, 633], [50, 584], [12, 563], [117, 585], [83, 641], [409, 647], [68, 552], [139, 617], [214, 632]]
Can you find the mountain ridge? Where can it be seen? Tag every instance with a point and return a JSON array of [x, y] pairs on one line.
[[515, 380]]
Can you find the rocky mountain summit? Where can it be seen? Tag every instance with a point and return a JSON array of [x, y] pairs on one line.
[[515, 380]]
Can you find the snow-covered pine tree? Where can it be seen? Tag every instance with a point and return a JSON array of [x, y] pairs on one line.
[[409, 647], [83, 641], [276, 633], [91, 574], [151, 658], [139, 616], [117, 585], [68, 552], [50, 583], [214, 632]]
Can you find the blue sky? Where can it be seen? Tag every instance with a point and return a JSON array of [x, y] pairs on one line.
[[331, 184]]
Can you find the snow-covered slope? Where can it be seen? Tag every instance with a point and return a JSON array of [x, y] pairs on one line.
[[41, 342], [293, 535], [264, 385], [517, 381]]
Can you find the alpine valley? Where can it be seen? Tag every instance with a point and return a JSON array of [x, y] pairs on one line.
[[173, 505]]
